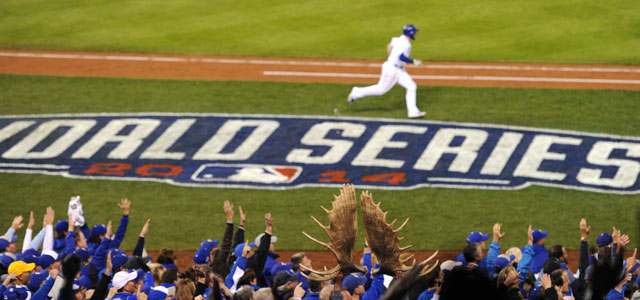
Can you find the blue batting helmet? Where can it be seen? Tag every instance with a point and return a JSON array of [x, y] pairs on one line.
[[409, 30]]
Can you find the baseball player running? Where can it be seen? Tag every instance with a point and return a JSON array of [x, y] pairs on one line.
[[393, 71]]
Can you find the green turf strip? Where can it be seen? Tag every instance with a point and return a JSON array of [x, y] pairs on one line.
[[571, 31], [439, 218]]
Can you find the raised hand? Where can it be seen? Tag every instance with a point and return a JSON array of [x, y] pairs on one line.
[[513, 278], [49, 217], [109, 264], [243, 217], [53, 272], [298, 292], [112, 292], [17, 223], [9, 279], [268, 220], [246, 249], [140, 295], [624, 241], [615, 235], [125, 205], [70, 227], [530, 235], [32, 221], [496, 232], [109, 230], [145, 229], [632, 260], [228, 209], [584, 229], [82, 240]]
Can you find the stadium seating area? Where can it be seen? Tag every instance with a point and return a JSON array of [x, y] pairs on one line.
[[69, 260]]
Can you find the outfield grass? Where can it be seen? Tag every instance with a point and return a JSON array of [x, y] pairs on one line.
[[571, 31], [440, 218]]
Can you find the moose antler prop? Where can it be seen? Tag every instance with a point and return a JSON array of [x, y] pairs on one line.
[[384, 240], [342, 231]]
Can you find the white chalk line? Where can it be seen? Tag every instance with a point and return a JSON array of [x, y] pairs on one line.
[[469, 180], [311, 63], [461, 78], [32, 166]]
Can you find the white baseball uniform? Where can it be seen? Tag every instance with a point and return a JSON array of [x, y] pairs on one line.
[[393, 71]]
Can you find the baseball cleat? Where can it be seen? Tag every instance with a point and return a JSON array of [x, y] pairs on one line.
[[419, 114], [350, 98]]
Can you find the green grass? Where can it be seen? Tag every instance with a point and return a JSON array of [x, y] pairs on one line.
[[439, 218], [571, 31]]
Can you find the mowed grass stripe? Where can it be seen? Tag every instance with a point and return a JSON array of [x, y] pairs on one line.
[[570, 31]]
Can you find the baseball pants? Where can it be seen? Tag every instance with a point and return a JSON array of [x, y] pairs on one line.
[[389, 77]]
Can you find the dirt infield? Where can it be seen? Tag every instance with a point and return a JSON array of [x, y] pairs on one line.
[[316, 70]]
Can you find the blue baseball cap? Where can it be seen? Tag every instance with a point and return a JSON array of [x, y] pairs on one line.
[[504, 260], [477, 237], [538, 234], [5, 241], [83, 281], [118, 260], [98, 230], [352, 281], [604, 239], [36, 279], [47, 258], [30, 255], [280, 266], [238, 250], [202, 255], [158, 293], [62, 226], [83, 253], [6, 260]]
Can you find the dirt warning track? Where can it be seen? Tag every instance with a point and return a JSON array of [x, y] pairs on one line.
[[315, 70]]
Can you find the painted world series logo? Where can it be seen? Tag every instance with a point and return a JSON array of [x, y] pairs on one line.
[[284, 152]]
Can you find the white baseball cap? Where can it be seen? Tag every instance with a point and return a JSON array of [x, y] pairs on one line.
[[121, 278], [274, 239], [448, 265]]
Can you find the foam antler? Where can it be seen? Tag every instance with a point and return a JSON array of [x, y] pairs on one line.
[[384, 240], [342, 231]]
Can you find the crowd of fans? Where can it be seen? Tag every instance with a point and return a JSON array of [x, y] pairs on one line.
[[78, 263]]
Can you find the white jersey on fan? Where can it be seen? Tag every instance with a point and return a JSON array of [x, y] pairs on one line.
[[399, 46]]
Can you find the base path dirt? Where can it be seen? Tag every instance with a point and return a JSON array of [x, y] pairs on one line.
[[315, 70]]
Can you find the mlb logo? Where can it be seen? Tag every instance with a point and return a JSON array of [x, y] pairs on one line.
[[266, 174]]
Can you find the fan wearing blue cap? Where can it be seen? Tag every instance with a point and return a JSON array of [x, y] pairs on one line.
[[61, 228], [354, 283], [494, 250], [98, 232], [8, 240], [540, 252], [202, 256], [243, 252], [478, 238]]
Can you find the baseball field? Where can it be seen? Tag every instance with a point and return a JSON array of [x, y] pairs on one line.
[[571, 66]]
